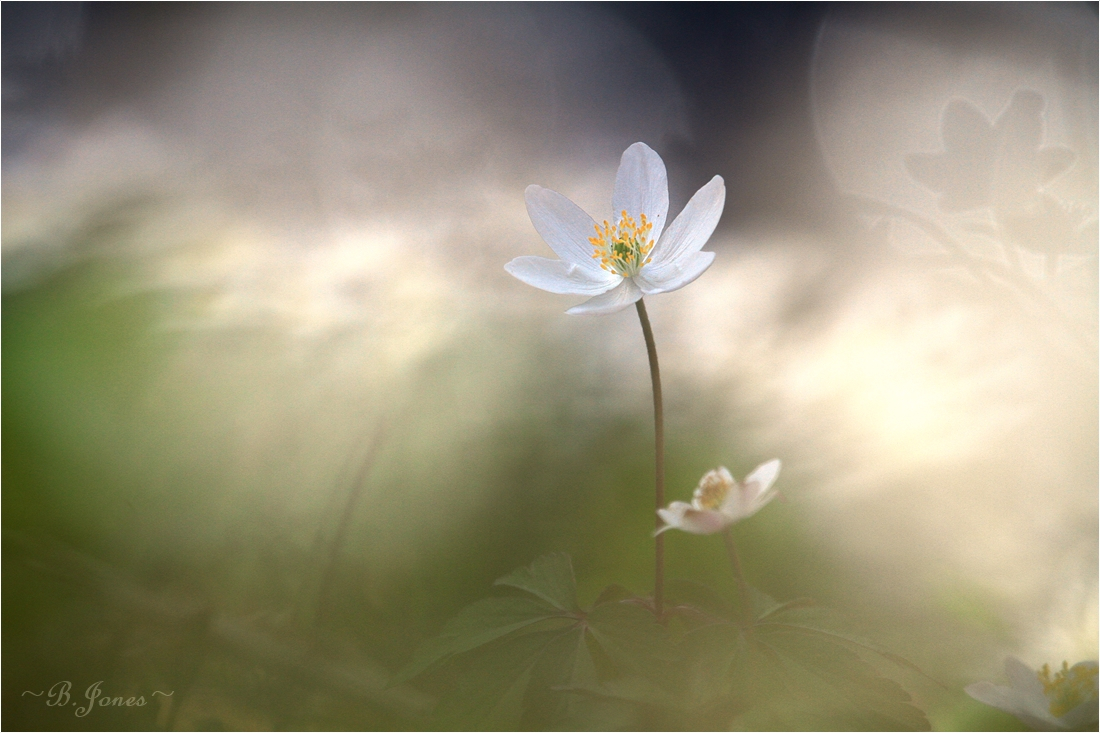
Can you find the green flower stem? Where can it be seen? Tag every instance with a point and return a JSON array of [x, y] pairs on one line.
[[659, 438], [739, 576], [328, 574]]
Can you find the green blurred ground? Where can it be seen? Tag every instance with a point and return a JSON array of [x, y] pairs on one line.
[[129, 528]]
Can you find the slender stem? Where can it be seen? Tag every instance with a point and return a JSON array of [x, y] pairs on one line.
[[739, 576], [659, 439], [328, 574]]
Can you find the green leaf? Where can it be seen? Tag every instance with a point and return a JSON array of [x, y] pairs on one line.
[[549, 577], [696, 596], [477, 624], [710, 652], [777, 678], [800, 615], [631, 637], [523, 680], [633, 689], [565, 663], [773, 608], [762, 603], [613, 593], [596, 712], [815, 682], [490, 685]]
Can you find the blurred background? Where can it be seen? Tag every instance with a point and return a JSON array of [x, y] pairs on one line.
[[274, 411]]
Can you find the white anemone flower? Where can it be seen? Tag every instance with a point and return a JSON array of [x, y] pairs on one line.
[[719, 500], [1066, 700], [617, 263]]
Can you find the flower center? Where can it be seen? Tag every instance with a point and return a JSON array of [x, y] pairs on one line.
[[623, 248], [1069, 687], [712, 490]]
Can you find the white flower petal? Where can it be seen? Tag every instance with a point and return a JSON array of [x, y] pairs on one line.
[[763, 476], [753, 494], [558, 276], [694, 521], [623, 295], [563, 225], [759, 502], [673, 275], [673, 516], [1025, 681], [735, 507], [1025, 698], [704, 522], [693, 227], [641, 187], [1002, 698]]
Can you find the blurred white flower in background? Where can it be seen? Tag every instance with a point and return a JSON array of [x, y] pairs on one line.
[[630, 258], [928, 403], [983, 163], [1066, 700]]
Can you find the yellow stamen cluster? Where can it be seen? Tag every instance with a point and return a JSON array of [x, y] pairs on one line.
[[712, 490], [623, 248], [1068, 688]]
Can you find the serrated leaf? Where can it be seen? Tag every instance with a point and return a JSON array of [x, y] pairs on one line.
[[612, 594], [491, 683], [519, 681], [631, 637], [762, 603], [826, 623], [633, 689], [710, 652], [565, 663], [592, 712], [549, 577], [775, 678], [477, 624], [711, 602], [829, 685], [791, 605]]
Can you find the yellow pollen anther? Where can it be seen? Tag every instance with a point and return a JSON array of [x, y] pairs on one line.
[[623, 248], [1069, 687], [713, 490]]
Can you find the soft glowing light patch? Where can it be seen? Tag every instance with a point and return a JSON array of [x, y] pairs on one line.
[[901, 383]]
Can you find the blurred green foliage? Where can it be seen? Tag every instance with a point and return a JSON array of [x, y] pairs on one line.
[[138, 554], [547, 663]]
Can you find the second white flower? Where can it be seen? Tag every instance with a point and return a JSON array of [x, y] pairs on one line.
[[720, 500]]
